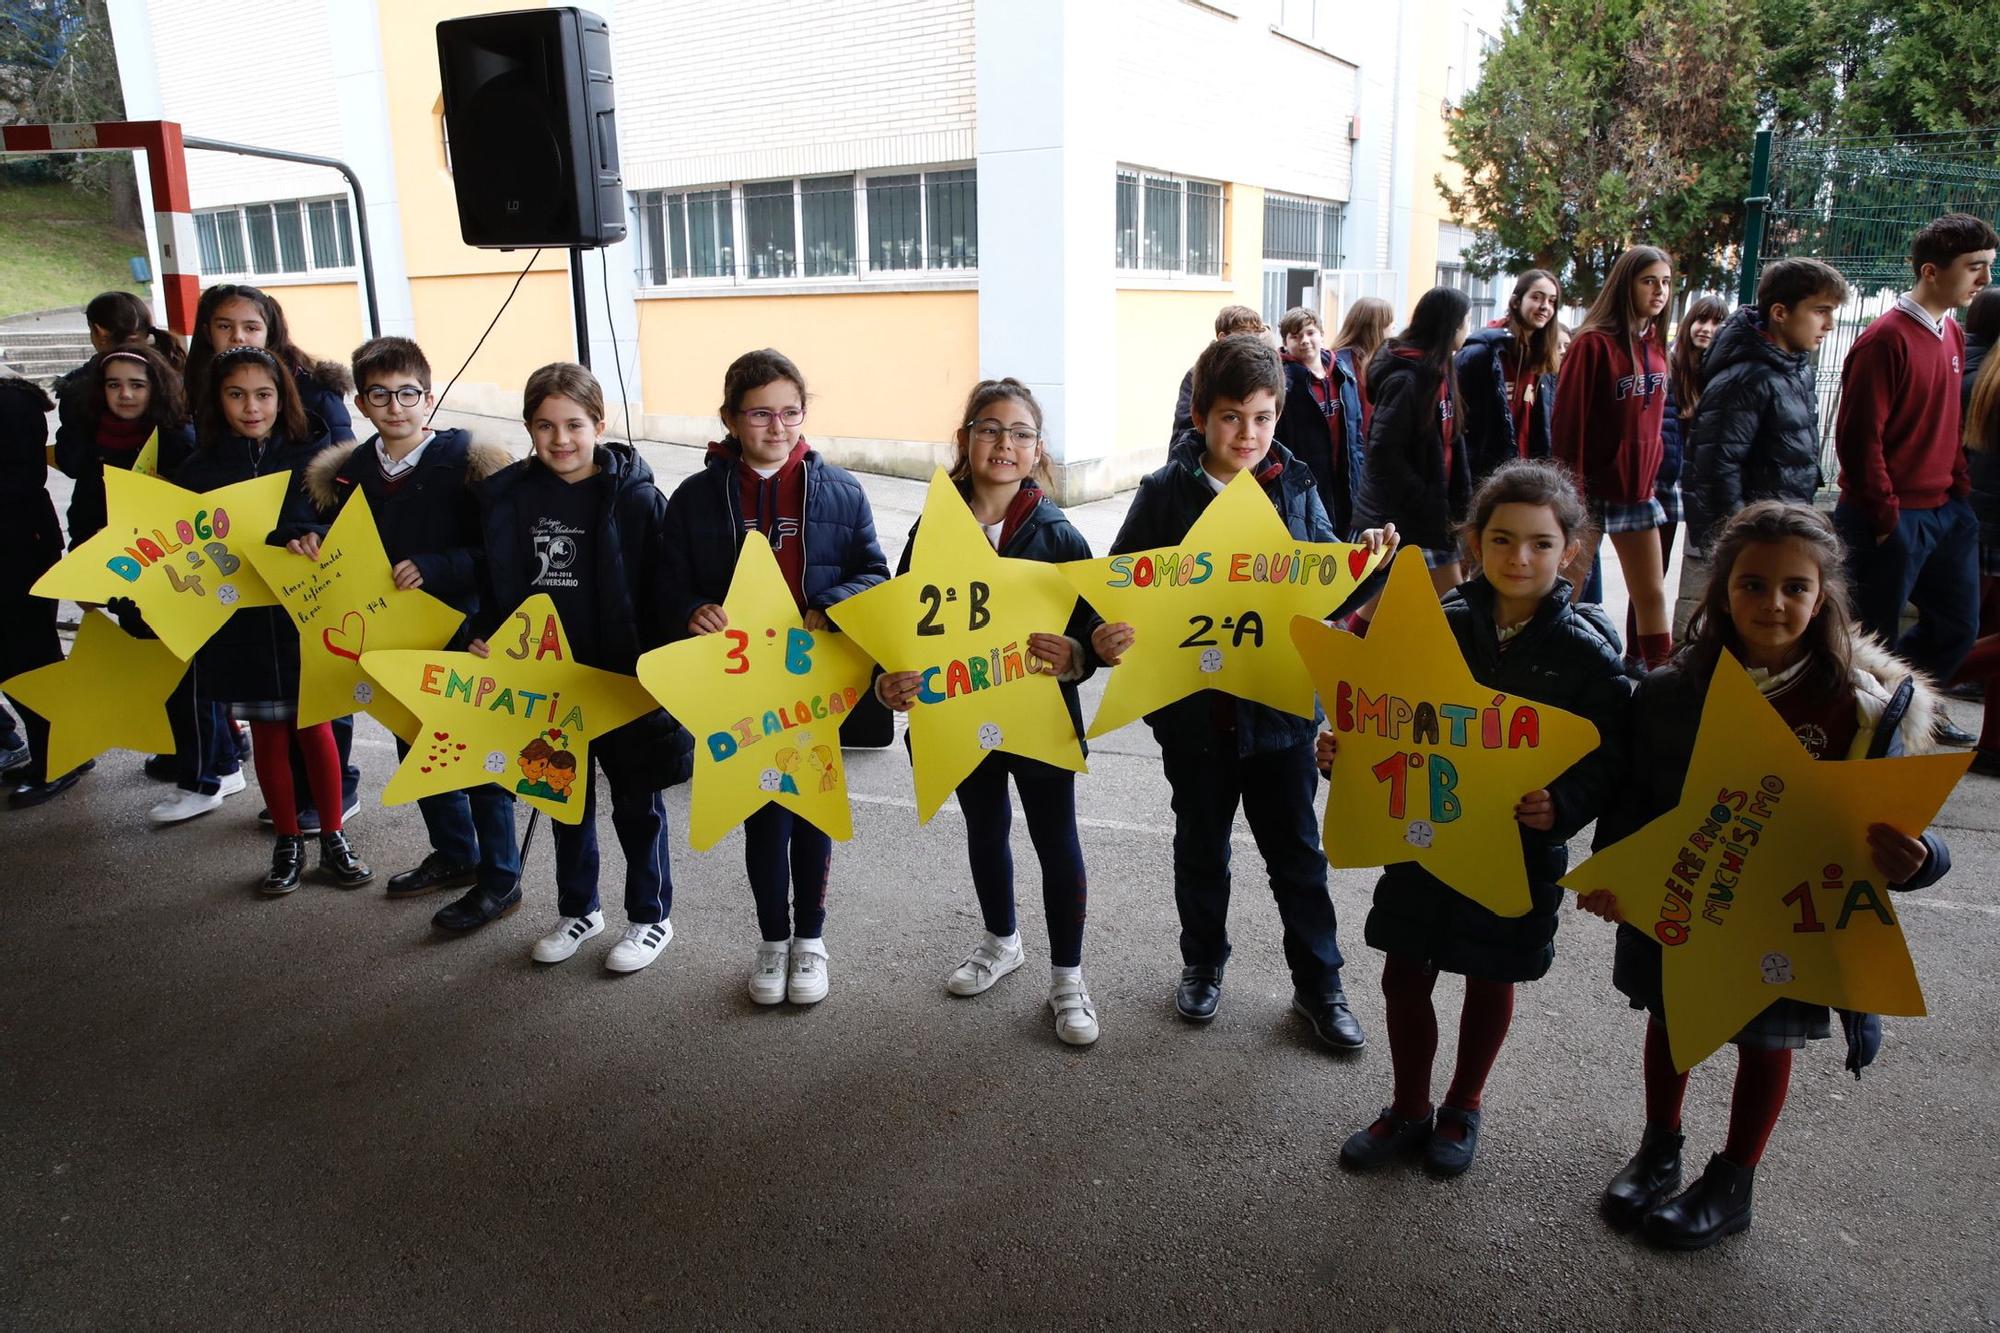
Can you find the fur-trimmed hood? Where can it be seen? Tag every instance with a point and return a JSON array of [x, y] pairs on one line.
[[1878, 673], [329, 375], [482, 460]]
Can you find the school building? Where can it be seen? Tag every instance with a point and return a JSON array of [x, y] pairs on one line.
[[903, 195]]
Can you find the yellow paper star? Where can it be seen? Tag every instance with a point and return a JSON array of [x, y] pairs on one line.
[[1760, 884], [345, 604], [180, 556], [147, 464], [962, 616], [517, 718], [110, 693], [764, 699], [1431, 762], [1210, 611]]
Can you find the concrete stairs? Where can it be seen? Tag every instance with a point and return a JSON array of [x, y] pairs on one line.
[[43, 356]]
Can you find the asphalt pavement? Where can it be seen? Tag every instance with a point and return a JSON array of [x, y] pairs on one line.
[[222, 1111]]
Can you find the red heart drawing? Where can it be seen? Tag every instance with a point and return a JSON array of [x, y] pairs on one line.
[[461, 745], [440, 735], [1357, 560], [346, 639], [555, 733], [425, 768]]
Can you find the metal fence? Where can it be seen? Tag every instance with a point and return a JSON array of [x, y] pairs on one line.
[[1855, 203]]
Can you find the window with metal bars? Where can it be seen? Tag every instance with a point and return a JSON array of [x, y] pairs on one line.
[[288, 236], [1167, 224], [1305, 232]]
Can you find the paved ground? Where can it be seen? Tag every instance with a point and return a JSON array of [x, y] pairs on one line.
[[219, 1111]]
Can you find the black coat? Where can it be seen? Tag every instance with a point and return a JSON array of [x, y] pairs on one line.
[[1183, 409], [632, 594], [433, 518], [1487, 429], [1403, 480], [1757, 436], [81, 460], [705, 531], [1676, 429], [1567, 657], [254, 657], [1046, 535], [1167, 504], [1982, 464], [30, 538]]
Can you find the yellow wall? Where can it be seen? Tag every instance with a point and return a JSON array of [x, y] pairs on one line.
[[880, 365], [1161, 332], [537, 328], [325, 318], [1442, 43]]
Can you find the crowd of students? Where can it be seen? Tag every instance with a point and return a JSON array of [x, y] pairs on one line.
[[1502, 457]]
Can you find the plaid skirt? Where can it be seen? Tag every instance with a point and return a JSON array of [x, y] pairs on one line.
[[1784, 1024], [264, 710], [1669, 496], [1641, 517]]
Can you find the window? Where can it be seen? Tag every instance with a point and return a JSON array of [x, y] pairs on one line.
[[1305, 232], [274, 239], [1167, 224], [906, 222], [1452, 271]]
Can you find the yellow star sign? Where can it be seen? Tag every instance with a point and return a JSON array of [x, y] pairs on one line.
[[962, 616], [1760, 885], [345, 604], [182, 557], [764, 699], [523, 718], [110, 693], [1209, 611], [1431, 762], [147, 464]]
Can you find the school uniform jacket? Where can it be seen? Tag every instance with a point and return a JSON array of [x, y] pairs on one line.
[[1567, 656], [1405, 480], [1757, 436], [30, 538], [1487, 430], [1306, 430], [1611, 396]]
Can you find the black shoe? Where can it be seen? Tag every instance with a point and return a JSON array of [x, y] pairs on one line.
[[288, 861], [1973, 690], [1446, 1156], [477, 908], [1986, 763], [1200, 991], [160, 768], [31, 794], [1647, 1181], [1946, 732], [338, 862], [434, 874], [1715, 1206], [1365, 1149], [1331, 1020]]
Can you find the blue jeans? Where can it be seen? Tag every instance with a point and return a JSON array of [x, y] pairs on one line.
[[1931, 561], [1275, 789], [474, 828], [1048, 796], [204, 739], [639, 817], [782, 851]]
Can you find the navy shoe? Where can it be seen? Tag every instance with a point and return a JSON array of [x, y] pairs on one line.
[[1446, 1156], [1365, 1149], [1199, 993]]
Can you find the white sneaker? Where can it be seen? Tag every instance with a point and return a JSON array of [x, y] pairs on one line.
[[231, 783], [1076, 1016], [767, 979], [641, 945], [183, 805], [807, 982], [570, 931], [987, 963]]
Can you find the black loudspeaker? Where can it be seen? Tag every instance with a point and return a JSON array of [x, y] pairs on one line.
[[532, 131]]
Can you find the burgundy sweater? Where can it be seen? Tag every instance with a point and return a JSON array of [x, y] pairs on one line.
[[1608, 415], [1897, 431]]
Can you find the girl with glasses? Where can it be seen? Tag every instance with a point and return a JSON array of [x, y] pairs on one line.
[[763, 477]]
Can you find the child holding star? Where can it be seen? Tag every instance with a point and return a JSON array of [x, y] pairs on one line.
[[1519, 632], [1777, 600], [997, 465], [1222, 752], [763, 477]]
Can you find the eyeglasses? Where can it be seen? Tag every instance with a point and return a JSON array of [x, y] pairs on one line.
[[762, 417], [989, 432], [407, 395]]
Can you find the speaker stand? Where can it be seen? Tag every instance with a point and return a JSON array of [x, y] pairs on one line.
[[582, 309]]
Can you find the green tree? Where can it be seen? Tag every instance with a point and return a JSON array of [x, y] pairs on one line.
[[1600, 123], [62, 56], [1880, 67]]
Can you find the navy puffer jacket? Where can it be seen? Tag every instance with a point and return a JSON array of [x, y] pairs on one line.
[[1487, 430], [1568, 657], [1404, 479], [1757, 436]]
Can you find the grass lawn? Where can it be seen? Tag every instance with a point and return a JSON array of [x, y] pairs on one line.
[[58, 248]]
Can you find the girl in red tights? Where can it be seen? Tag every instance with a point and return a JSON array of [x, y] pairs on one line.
[[1520, 633], [250, 423], [1777, 600]]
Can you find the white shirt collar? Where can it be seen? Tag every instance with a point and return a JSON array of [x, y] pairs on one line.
[[396, 467], [1908, 304], [1213, 484]]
